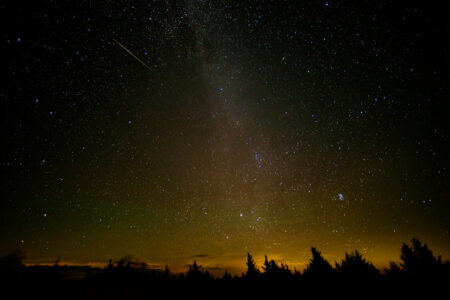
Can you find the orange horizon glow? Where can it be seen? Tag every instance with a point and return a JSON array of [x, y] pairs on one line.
[[236, 264]]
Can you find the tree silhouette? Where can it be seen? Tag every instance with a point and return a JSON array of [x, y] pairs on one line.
[[356, 267], [11, 267], [418, 259], [194, 269], [274, 271], [110, 266], [394, 273], [195, 272], [419, 275], [166, 273], [252, 269], [318, 266], [227, 276], [12, 262]]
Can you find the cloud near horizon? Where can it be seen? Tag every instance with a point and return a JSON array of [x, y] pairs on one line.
[[200, 256]]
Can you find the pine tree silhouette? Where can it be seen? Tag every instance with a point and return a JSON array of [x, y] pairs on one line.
[[252, 269], [318, 266], [418, 259], [227, 276], [275, 271], [356, 267], [195, 272], [166, 274], [419, 275]]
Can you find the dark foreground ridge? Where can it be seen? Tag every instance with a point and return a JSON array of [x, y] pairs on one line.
[[420, 275]]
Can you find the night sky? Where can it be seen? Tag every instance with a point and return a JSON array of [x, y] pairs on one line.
[[181, 130]]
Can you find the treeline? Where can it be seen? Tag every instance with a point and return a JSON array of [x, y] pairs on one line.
[[420, 274]]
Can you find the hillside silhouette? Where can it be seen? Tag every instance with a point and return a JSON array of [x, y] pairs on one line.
[[419, 275]]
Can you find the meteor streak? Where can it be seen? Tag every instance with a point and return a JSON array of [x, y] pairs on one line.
[[132, 54]]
